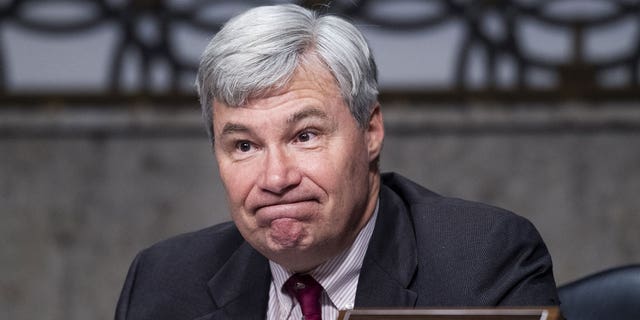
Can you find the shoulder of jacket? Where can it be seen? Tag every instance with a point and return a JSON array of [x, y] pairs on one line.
[[425, 205], [211, 246]]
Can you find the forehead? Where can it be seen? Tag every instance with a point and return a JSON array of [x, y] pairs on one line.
[[311, 75], [312, 84]]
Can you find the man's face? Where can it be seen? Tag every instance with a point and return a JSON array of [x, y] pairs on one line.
[[298, 171]]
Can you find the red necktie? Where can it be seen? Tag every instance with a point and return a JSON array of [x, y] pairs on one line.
[[307, 291]]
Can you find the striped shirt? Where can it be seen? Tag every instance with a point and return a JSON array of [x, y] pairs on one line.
[[338, 276]]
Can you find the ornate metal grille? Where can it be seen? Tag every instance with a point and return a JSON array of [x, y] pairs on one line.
[[600, 59]]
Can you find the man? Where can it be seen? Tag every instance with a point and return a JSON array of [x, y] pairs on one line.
[[290, 102]]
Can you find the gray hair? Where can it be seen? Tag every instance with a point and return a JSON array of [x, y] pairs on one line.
[[259, 50]]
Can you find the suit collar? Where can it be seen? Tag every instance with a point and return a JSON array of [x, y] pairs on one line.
[[391, 259], [240, 289]]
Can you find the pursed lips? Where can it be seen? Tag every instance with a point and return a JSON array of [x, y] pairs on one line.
[[298, 209]]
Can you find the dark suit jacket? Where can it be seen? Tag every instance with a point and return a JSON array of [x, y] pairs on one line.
[[426, 250]]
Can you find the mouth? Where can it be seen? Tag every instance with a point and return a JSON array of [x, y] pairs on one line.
[[300, 210]]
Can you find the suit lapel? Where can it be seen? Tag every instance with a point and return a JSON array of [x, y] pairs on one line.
[[241, 288], [391, 259]]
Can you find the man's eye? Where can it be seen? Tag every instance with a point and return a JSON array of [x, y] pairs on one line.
[[305, 136], [243, 146]]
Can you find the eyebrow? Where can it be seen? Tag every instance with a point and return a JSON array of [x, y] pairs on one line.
[[307, 113], [230, 127], [233, 128]]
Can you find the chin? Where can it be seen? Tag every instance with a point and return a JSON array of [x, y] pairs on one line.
[[290, 249]]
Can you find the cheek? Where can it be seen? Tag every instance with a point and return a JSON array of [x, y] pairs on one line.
[[237, 190], [340, 171], [237, 184]]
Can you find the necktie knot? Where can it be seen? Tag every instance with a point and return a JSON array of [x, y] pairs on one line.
[[308, 292]]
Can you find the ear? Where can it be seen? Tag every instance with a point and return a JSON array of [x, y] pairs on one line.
[[375, 133]]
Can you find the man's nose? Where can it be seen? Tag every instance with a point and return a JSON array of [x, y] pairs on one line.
[[280, 172]]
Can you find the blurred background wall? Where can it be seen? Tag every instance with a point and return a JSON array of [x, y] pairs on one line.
[[529, 105]]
